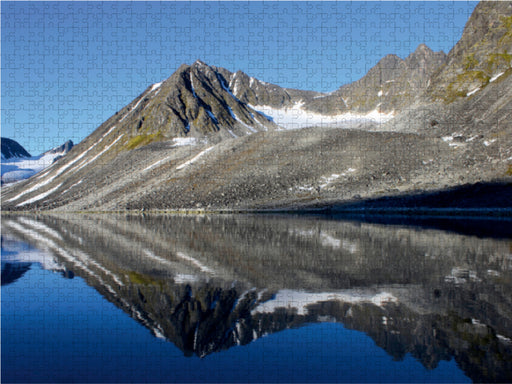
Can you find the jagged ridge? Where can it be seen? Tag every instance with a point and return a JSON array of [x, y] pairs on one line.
[[394, 83]]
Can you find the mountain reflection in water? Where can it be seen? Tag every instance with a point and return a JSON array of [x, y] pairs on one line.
[[208, 283]]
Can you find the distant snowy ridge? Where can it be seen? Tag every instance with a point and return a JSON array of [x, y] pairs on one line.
[[19, 168]]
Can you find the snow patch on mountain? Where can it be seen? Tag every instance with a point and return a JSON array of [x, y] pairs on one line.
[[227, 89], [296, 117], [39, 197], [473, 92], [83, 164], [192, 85], [231, 112], [156, 164], [251, 129], [212, 116], [495, 77], [132, 109], [194, 159], [73, 186], [182, 141], [155, 86]]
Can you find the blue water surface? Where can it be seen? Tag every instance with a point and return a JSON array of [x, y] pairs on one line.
[[61, 330]]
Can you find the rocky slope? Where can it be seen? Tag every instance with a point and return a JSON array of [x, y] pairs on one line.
[[469, 97], [318, 166], [210, 138]]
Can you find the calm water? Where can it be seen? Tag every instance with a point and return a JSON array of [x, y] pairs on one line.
[[254, 298]]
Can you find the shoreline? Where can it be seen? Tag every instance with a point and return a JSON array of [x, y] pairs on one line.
[[469, 213]]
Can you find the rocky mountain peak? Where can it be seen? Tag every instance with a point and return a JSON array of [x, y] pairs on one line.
[[255, 92], [422, 50], [63, 149], [194, 102], [199, 63], [425, 57], [421, 64], [387, 68], [60, 151]]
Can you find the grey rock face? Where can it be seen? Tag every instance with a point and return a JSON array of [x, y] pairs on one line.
[[255, 92]]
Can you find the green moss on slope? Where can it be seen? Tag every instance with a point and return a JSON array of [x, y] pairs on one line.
[[143, 139]]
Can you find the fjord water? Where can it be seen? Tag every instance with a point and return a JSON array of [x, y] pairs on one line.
[[111, 298]]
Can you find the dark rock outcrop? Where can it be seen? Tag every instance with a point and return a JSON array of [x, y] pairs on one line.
[[11, 148]]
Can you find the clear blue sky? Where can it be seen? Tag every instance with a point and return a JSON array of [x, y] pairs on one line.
[[69, 66]]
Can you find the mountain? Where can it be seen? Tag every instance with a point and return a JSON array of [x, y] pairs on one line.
[[210, 138], [256, 92], [23, 165], [261, 94], [11, 148]]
